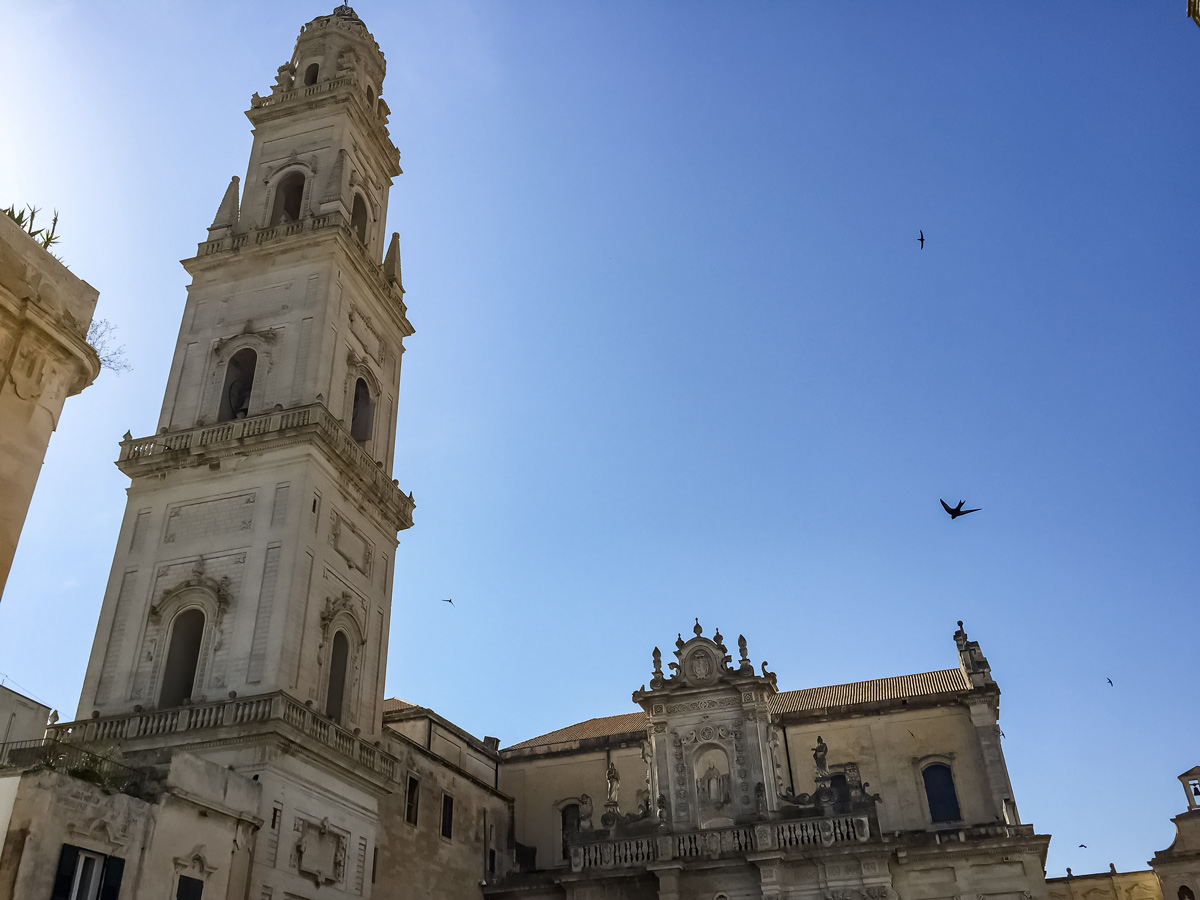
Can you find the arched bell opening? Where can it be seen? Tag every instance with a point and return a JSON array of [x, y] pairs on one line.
[[363, 413], [339, 657], [311, 73], [239, 385], [183, 656], [289, 193], [358, 219]]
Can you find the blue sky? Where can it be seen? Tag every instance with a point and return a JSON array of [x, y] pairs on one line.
[[678, 352]]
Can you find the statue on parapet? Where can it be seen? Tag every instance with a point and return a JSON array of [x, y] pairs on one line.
[[820, 754]]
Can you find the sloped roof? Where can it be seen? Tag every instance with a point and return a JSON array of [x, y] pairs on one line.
[[901, 687], [605, 726], [395, 704]]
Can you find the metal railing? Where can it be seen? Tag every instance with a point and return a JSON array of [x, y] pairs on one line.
[[72, 760]]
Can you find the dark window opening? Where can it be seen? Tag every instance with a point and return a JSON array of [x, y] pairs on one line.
[[374, 862], [239, 384], [189, 888], [371, 96], [1185, 893], [841, 792], [363, 412], [183, 656], [492, 861], [411, 797], [288, 194], [358, 219], [939, 791], [310, 74], [337, 677], [276, 814], [570, 825], [447, 816]]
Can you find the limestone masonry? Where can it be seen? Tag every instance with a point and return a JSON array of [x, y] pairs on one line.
[[233, 740]]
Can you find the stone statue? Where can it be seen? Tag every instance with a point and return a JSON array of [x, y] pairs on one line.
[[819, 755], [614, 783], [585, 812]]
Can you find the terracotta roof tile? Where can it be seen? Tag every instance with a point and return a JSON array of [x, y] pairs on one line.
[[923, 684], [395, 704], [605, 726]]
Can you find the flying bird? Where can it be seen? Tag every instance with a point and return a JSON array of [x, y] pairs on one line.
[[1084, 846], [1109, 680], [447, 600], [922, 239], [957, 511]]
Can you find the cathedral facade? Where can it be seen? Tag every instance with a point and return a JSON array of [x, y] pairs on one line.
[[233, 739]]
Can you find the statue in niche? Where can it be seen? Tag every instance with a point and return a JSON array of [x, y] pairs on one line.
[[614, 783], [711, 784], [820, 752]]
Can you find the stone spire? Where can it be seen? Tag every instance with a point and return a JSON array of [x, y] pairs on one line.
[[391, 261], [227, 212]]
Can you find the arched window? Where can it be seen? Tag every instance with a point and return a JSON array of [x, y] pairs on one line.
[[239, 383], [358, 219], [288, 194], [310, 74], [939, 791], [371, 96], [1185, 893], [183, 655], [570, 825], [338, 657], [363, 414]]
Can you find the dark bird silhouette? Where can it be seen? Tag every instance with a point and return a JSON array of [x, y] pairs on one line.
[[957, 511], [1084, 846], [447, 600], [922, 239], [1109, 680]]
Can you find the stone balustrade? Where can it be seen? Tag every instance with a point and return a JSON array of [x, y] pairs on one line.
[[790, 836], [313, 418], [264, 708]]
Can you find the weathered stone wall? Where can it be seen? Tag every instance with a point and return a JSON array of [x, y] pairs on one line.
[[45, 312], [415, 861], [198, 826], [21, 719]]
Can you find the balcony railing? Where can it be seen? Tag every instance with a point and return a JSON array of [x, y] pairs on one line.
[[314, 417], [71, 760], [792, 836], [239, 711]]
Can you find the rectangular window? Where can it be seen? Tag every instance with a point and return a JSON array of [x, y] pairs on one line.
[[276, 814], [447, 816], [411, 797], [85, 875], [189, 888], [491, 862]]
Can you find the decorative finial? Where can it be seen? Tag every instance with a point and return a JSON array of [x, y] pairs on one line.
[[658, 673], [717, 637], [742, 647], [699, 630], [679, 641]]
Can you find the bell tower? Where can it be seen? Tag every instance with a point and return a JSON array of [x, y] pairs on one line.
[[257, 550]]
